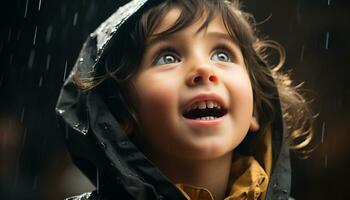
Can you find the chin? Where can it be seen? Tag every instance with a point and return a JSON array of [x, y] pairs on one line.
[[208, 152]]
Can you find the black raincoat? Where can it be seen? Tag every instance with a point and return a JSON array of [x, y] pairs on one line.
[[104, 153]]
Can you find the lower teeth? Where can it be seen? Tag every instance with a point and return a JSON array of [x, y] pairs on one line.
[[206, 118]]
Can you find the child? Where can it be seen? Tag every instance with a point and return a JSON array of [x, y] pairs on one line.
[[174, 99]]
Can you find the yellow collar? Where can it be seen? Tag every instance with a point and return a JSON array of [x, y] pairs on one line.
[[248, 181]]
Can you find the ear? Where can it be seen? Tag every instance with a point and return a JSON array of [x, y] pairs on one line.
[[254, 122]]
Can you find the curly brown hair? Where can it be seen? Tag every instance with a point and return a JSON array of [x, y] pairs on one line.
[[122, 61]]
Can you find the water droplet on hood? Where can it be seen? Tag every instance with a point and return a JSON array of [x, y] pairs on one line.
[[84, 131], [60, 111], [103, 145], [123, 143], [106, 126]]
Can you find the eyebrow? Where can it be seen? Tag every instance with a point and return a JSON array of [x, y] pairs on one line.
[[221, 35], [213, 34], [157, 38]]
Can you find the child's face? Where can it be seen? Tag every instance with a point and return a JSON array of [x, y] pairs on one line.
[[190, 68]]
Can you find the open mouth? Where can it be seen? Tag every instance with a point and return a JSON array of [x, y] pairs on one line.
[[205, 110]]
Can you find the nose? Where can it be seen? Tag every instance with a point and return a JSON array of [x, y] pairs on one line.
[[202, 74]]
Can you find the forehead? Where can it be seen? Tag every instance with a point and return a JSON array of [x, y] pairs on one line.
[[196, 25]]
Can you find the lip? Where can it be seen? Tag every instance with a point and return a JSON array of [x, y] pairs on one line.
[[205, 97], [204, 123]]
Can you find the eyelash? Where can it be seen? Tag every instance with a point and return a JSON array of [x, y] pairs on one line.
[[226, 49], [172, 51], [165, 51]]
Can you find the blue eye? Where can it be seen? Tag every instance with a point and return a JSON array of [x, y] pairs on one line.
[[221, 56], [166, 59]]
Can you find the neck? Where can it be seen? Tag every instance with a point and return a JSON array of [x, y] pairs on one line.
[[210, 174]]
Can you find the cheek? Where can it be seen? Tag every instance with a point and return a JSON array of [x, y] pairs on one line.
[[156, 99], [241, 93], [240, 87]]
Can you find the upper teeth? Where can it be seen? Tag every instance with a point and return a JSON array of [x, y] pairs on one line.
[[204, 105]]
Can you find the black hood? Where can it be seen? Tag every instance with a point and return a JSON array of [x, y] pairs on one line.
[[101, 149]]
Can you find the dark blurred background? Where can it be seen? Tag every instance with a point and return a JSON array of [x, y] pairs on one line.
[[40, 40]]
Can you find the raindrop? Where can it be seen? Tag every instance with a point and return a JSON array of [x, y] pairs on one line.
[[11, 58], [65, 70], [327, 40], [26, 9], [40, 81], [81, 60], [24, 136], [35, 183], [39, 6], [31, 59], [35, 32], [97, 180], [48, 34], [48, 60], [22, 114], [323, 131], [75, 18], [302, 54], [9, 35], [19, 35], [329, 2]]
